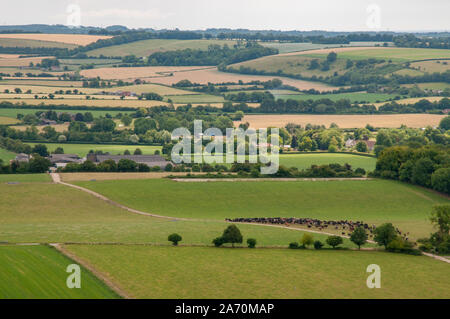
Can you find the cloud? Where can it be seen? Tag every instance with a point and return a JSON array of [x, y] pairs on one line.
[[126, 14]]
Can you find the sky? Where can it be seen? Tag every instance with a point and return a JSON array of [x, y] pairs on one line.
[[331, 15]]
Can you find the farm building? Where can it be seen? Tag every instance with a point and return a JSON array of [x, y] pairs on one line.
[[61, 160], [22, 157], [149, 160]]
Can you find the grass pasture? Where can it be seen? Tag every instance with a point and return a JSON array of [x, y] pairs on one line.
[[39, 272], [83, 149], [145, 48], [7, 120], [61, 214], [162, 272], [373, 201], [25, 178], [6, 156], [303, 161], [354, 97]]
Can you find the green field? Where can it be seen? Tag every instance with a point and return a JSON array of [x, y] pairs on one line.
[[6, 155], [286, 47], [394, 54], [354, 97], [374, 201], [60, 214], [12, 113], [197, 98], [83, 149], [145, 48], [163, 272], [39, 272], [303, 161], [24, 178], [12, 42]]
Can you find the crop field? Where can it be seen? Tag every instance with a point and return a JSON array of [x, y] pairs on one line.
[[6, 156], [7, 120], [83, 149], [214, 76], [49, 88], [162, 272], [61, 214], [12, 112], [14, 42], [344, 121], [405, 206], [195, 98], [303, 161], [47, 82], [130, 73], [354, 97], [394, 54], [78, 39], [145, 48], [413, 100], [40, 272], [131, 103], [21, 62], [147, 88], [432, 66]]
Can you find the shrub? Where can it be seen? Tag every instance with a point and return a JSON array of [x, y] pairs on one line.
[[218, 241], [334, 241], [307, 240], [398, 245], [293, 245], [360, 171], [318, 244], [175, 238], [251, 242]]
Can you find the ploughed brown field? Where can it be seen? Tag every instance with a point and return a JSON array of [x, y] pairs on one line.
[[79, 39], [344, 121]]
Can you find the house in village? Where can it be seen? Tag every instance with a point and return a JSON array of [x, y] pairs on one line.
[[22, 158], [350, 143]]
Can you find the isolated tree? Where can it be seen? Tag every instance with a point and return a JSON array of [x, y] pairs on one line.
[[137, 151], [307, 240], [126, 152], [251, 243], [334, 241], [384, 234], [331, 57], [174, 238], [232, 235], [359, 237], [440, 217], [58, 150]]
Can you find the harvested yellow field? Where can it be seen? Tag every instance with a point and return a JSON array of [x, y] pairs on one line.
[[78, 39], [9, 56], [214, 76], [83, 102], [413, 100], [432, 66], [22, 62], [62, 85], [136, 72], [46, 89], [58, 127], [147, 88], [344, 121], [72, 177], [7, 120]]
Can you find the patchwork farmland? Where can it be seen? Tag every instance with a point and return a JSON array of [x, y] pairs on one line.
[[89, 176]]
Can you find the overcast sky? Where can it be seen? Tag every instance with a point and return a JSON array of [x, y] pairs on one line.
[[333, 15]]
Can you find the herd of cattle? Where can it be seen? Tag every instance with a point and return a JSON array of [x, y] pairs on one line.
[[345, 226]]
